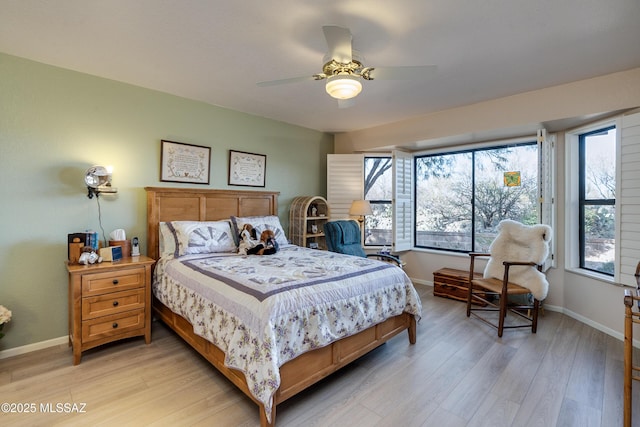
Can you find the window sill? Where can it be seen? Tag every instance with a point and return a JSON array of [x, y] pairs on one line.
[[440, 252]]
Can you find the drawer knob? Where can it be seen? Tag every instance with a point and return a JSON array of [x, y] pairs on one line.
[[115, 281], [115, 303], [115, 325]]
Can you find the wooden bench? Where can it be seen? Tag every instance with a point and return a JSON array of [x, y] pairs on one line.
[[452, 283]]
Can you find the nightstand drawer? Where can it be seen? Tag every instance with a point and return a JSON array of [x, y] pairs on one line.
[[100, 283], [112, 303], [108, 326]]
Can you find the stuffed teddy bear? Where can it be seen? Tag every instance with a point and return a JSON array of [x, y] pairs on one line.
[[267, 245]]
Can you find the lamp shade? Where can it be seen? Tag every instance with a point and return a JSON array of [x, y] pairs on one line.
[[97, 176], [360, 208], [343, 86], [98, 181]]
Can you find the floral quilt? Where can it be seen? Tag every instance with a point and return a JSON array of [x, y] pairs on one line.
[[263, 311]]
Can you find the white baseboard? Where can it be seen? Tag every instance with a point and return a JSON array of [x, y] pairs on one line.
[[587, 321], [33, 347], [421, 282]]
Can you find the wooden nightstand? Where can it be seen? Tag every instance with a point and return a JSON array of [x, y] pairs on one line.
[[108, 302]]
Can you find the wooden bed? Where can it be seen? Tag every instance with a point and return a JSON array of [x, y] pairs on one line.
[[180, 204]]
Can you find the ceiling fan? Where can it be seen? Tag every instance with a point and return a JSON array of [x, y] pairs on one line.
[[344, 69]]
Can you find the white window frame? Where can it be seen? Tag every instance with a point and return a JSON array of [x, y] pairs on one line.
[[546, 185], [572, 205], [387, 156]]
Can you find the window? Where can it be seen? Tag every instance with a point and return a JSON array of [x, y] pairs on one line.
[[460, 197], [597, 199], [378, 191]]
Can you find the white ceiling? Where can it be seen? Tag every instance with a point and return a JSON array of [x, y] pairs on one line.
[[216, 51]]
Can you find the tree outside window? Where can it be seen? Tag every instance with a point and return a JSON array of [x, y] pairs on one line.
[[461, 197], [597, 194], [378, 191]]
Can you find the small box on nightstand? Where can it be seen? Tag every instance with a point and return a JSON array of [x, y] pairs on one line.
[[111, 253]]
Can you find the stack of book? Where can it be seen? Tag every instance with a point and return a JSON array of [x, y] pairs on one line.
[[77, 241]]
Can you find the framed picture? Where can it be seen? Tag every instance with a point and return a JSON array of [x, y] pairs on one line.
[[184, 163], [247, 168]]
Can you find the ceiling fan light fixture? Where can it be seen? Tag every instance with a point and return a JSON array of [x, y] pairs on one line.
[[343, 86]]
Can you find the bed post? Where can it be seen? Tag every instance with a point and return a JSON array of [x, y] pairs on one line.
[[152, 224], [412, 329], [263, 416]]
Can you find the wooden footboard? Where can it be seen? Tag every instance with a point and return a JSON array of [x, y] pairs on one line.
[[303, 371]]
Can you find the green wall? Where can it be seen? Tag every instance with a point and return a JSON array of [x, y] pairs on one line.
[[55, 123]]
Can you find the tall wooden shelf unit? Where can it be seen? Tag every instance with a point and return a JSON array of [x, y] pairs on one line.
[[307, 217]]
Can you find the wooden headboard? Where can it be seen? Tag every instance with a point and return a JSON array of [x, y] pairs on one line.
[[193, 204]]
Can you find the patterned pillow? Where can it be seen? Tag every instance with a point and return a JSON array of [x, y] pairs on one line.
[[197, 237], [260, 223], [167, 239]]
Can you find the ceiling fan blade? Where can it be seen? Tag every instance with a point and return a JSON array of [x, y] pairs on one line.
[[286, 81], [403, 73], [339, 43]]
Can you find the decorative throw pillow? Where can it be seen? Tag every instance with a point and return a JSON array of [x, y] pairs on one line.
[[200, 237], [167, 239], [260, 223]]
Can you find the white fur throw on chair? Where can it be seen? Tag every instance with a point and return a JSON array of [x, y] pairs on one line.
[[517, 242]]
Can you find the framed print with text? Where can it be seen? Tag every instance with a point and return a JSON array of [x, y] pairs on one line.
[[181, 162], [247, 169]]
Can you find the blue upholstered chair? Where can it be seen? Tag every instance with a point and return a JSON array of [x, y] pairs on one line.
[[343, 236]]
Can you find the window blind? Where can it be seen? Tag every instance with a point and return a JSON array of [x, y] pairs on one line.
[[345, 182], [401, 202], [628, 203], [546, 187]]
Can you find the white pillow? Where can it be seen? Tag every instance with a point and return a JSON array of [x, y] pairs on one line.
[[261, 223], [197, 237], [167, 239]]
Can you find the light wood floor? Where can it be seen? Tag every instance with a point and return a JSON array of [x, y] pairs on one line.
[[458, 374]]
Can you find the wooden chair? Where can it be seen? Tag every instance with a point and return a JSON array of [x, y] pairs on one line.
[[521, 286], [631, 372], [487, 291]]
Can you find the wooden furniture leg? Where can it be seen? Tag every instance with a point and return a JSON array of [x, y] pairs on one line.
[[628, 356], [631, 372]]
